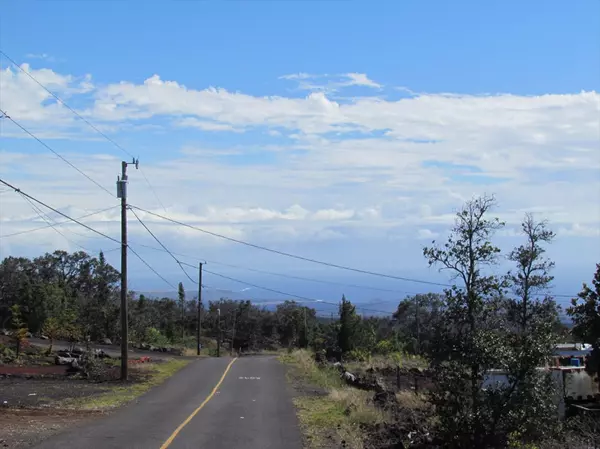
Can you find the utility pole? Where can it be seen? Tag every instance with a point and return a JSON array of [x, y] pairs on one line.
[[122, 193], [198, 327], [233, 332], [219, 330]]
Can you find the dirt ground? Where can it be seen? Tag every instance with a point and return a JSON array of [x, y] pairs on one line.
[[24, 428], [19, 392]]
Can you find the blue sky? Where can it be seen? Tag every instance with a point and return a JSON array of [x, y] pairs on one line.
[[347, 131]]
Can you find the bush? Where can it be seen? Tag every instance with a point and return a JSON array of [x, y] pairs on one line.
[[358, 355], [384, 347], [156, 338], [7, 355]]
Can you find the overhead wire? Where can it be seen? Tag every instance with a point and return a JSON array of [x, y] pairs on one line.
[[283, 275], [161, 244], [16, 189], [60, 156], [45, 218], [25, 195], [150, 267], [86, 121], [294, 256], [292, 295], [56, 223]]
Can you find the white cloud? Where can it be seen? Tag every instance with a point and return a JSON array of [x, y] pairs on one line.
[[331, 83], [205, 125], [367, 168], [426, 234], [43, 56]]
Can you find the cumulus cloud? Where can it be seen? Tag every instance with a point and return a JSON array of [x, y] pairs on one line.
[[368, 167]]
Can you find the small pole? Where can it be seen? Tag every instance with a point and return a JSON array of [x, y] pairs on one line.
[[198, 327], [233, 332], [219, 331]]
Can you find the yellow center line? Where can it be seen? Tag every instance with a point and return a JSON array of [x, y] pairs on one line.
[[167, 443]]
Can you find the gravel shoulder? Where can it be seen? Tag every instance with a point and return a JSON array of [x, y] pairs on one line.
[[24, 428]]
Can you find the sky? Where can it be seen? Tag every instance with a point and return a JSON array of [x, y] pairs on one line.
[[345, 131]]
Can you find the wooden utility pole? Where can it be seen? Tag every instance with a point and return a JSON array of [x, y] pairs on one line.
[[198, 327], [219, 330], [122, 193], [233, 331]]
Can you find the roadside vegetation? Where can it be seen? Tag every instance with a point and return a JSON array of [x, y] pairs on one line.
[[419, 381], [416, 379], [146, 376]]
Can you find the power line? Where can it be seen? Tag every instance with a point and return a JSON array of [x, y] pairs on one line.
[[294, 256], [85, 226], [163, 246], [56, 223], [57, 211], [283, 275], [55, 152], [304, 298], [91, 125], [366, 287], [150, 267], [44, 217]]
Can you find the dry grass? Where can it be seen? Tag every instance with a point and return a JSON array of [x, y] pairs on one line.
[[379, 362], [411, 400], [305, 366], [121, 394], [338, 416]]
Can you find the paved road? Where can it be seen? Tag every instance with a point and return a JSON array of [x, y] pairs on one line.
[[251, 409]]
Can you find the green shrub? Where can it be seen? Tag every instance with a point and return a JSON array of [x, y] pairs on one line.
[[156, 338], [384, 347], [7, 355], [358, 355]]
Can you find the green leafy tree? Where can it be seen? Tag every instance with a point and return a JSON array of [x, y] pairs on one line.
[[181, 298], [349, 325], [467, 343], [585, 313], [19, 333], [52, 329], [417, 318], [525, 405]]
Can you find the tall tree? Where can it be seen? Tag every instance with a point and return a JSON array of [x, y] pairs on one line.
[[466, 343], [526, 402], [181, 297], [349, 322], [19, 328], [585, 313], [418, 317]]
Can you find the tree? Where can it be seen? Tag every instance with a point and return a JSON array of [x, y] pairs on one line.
[[526, 403], [19, 329], [417, 318], [52, 329], [181, 297], [349, 322], [585, 313], [466, 343]]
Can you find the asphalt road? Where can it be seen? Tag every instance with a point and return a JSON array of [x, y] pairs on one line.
[[251, 409]]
